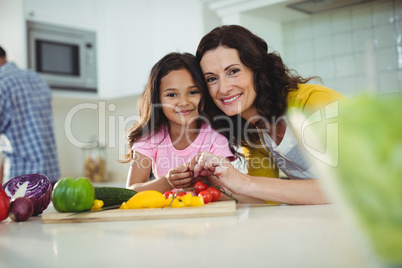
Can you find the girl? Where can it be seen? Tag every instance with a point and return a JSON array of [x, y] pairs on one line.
[[172, 128]]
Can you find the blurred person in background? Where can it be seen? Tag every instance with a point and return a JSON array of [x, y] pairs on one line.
[[27, 139]]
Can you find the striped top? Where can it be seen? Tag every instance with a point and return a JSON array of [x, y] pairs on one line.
[[26, 124]]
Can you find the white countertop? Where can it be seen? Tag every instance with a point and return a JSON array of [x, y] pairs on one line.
[[269, 236]]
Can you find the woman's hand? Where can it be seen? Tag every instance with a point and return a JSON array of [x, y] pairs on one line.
[[298, 192], [180, 176], [207, 164]]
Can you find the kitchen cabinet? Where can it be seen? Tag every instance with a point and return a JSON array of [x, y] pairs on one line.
[[77, 14], [131, 35], [134, 35], [12, 29]]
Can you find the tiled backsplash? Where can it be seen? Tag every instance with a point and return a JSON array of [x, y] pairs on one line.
[[353, 50]]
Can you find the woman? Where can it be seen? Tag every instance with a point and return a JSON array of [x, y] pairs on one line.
[[252, 91]]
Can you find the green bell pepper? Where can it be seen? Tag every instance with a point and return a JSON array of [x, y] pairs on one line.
[[73, 195]]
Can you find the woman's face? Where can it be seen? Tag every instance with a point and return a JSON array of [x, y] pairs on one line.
[[179, 97], [230, 82]]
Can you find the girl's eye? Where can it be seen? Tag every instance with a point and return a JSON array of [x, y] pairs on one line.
[[171, 95], [211, 79], [234, 71], [193, 92]]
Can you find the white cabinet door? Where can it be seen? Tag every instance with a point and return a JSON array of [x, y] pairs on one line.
[[132, 35], [73, 13]]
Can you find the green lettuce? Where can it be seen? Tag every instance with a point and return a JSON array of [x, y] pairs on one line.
[[370, 169]]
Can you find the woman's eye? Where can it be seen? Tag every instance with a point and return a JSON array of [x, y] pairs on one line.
[[234, 71], [211, 79]]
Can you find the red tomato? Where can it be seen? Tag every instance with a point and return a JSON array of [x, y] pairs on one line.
[[200, 186], [166, 194], [216, 194], [207, 196], [4, 205]]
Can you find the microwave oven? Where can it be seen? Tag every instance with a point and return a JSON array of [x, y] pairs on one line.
[[65, 57]]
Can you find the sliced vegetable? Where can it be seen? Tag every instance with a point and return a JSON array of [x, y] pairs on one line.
[[73, 195], [167, 194], [98, 204], [197, 201], [182, 192], [21, 209], [4, 205], [36, 187], [113, 195], [186, 199]]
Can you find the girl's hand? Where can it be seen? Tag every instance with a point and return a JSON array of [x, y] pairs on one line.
[[180, 177], [200, 167]]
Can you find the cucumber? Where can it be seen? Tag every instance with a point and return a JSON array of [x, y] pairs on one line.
[[113, 195]]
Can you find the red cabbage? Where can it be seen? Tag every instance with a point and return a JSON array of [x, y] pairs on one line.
[[36, 187]]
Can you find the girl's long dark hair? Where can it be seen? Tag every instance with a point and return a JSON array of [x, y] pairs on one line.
[[272, 79], [152, 119]]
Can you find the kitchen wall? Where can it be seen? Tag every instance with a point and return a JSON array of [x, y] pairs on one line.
[[354, 50]]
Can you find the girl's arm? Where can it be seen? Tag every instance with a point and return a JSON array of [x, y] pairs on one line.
[[138, 176], [295, 192]]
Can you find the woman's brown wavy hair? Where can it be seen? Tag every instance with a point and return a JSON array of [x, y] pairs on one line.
[[272, 79], [152, 119]]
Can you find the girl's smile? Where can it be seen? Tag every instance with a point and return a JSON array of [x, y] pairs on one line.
[[184, 112]]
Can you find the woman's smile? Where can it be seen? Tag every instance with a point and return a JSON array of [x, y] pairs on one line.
[[231, 99]]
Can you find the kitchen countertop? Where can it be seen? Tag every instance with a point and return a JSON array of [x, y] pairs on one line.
[[258, 236]]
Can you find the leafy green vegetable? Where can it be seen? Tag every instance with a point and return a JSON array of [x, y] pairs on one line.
[[370, 169]]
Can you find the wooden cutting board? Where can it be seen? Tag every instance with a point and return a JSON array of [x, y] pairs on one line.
[[214, 209]]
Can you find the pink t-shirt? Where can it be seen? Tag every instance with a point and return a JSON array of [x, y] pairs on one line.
[[164, 156]]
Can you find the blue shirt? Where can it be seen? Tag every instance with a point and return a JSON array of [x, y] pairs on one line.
[[26, 124]]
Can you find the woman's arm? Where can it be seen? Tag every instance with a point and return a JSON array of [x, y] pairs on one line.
[[138, 175], [295, 192]]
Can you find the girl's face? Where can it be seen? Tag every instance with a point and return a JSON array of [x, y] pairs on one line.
[[179, 97], [230, 83]]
